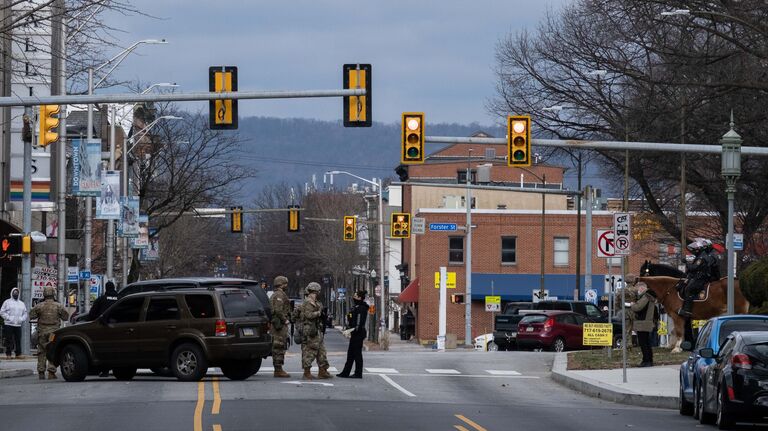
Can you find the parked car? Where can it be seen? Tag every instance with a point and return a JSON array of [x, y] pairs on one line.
[[484, 343], [505, 325], [551, 329], [186, 330], [736, 385], [711, 336]]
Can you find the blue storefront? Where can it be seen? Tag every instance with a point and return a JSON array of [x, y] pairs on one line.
[[519, 287]]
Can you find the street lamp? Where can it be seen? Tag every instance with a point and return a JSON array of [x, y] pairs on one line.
[[159, 84], [384, 291], [730, 171]]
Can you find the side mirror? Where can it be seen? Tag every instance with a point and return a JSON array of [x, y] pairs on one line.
[[707, 353], [686, 345]]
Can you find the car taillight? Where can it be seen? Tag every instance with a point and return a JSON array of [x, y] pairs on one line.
[[549, 323], [221, 328], [742, 361]]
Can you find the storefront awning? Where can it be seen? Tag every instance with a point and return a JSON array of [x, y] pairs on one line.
[[411, 293]]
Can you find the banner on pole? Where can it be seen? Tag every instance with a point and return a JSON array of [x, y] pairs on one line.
[[152, 252], [86, 167], [128, 227], [141, 241], [108, 205]]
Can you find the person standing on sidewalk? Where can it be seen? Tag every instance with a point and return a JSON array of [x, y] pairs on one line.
[[14, 314], [281, 319], [645, 321], [358, 334], [49, 315]]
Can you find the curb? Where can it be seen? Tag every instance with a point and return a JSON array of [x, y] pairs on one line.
[[7, 374], [605, 391]]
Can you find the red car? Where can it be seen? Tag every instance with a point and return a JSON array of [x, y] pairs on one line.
[[552, 330]]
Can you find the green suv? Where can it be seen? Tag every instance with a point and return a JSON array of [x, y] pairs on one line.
[[186, 330]]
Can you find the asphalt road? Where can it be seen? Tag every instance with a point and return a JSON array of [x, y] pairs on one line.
[[465, 390]]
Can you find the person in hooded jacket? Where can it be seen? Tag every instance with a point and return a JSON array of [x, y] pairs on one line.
[[358, 334], [14, 313], [103, 302]]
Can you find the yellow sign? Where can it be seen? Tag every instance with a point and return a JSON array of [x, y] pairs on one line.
[[222, 113], [696, 324], [597, 334], [663, 328], [493, 303], [237, 219], [450, 283], [357, 109]]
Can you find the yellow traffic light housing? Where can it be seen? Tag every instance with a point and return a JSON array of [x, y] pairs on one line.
[[48, 125], [519, 140], [350, 228], [412, 139], [357, 109], [294, 221], [237, 219], [222, 114], [400, 225]]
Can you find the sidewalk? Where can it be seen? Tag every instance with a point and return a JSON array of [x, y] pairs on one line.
[[17, 367], [648, 387]]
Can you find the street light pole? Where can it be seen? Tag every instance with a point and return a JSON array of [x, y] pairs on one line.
[[468, 263], [731, 171], [543, 224]]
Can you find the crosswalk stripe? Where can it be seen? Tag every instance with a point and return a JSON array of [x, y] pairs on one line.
[[441, 371], [330, 370], [502, 372], [382, 370]]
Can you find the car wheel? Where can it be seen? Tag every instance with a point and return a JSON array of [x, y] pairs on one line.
[[724, 418], [188, 363], [704, 417], [685, 407], [124, 373], [74, 363], [558, 345], [492, 347], [240, 370], [162, 371]]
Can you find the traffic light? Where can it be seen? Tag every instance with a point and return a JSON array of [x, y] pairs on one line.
[[350, 228], [222, 114], [457, 298], [10, 250], [412, 138], [293, 218], [357, 109], [519, 140], [47, 123], [400, 225], [237, 219]]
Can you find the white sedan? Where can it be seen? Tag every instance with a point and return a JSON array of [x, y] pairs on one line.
[[485, 343]]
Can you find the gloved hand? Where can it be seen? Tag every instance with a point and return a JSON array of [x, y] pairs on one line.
[[651, 293], [348, 332]]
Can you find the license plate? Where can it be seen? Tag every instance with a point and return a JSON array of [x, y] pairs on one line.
[[248, 332], [529, 329]]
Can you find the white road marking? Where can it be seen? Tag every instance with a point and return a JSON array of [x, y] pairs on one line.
[[502, 372], [270, 369], [330, 370], [382, 370], [482, 376], [441, 371], [396, 386], [300, 383]]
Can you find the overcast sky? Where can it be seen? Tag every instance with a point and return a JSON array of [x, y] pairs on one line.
[[431, 56]]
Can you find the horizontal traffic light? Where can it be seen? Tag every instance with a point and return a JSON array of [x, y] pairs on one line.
[[350, 228]]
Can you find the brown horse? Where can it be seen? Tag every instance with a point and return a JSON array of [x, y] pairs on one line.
[[714, 305]]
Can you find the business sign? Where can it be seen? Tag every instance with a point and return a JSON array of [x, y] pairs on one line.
[[128, 227], [605, 243], [442, 227], [622, 234], [493, 303], [738, 241], [42, 277], [41, 176], [597, 334], [72, 274], [86, 167], [449, 284], [418, 225], [108, 204]]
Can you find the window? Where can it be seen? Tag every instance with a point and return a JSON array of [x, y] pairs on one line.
[[462, 176], [703, 339], [126, 311], [730, 326], [241, 304], [579, 319], [566, 318], [490, 153], [561, 252], [508, 249], [455, 249], [200, 306], [593, 312], [163, 309]]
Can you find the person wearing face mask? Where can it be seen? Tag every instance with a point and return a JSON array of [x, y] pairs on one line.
[[357, 336], [14, 313]]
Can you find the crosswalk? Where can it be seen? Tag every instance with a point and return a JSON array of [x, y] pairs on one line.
[[391, 371]]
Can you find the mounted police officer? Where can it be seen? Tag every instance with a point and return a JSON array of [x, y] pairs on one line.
[[700, 272], [49, 315], [312, 346], [281, 319]]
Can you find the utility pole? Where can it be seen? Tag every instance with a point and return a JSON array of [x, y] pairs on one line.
[[88, 199], [588, 237], [577, 289], [111, 223], [61, 153], [26, 258], [468, 267]]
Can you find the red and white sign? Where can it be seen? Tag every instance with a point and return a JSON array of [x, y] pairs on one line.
[[605, 246], [622, 238], [42, 277]]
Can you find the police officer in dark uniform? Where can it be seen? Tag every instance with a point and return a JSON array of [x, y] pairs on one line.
[[358, 334], [103, 302], [699, 273]]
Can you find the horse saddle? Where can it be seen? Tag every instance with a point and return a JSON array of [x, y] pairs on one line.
[[701, 297]]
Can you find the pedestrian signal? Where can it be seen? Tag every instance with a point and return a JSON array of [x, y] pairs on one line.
[[519, 140], [222, 113], [457, 298], [400, 225], [10, 251], [293, 218], [412, 140], [357, 109], [237, 219], [48, 123], [350, 228]]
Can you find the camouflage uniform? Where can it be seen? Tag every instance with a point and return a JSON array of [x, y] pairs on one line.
[[48, 314], [312, 346], [281, 315]]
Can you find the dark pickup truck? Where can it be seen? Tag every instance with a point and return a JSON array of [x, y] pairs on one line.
[[505, 325]]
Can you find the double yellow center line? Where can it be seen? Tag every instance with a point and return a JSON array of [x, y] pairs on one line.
[[469, 422], [215, 408]]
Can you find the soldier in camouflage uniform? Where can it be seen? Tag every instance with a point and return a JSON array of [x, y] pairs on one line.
[[312, 346], [281, 315], [49, 315]]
